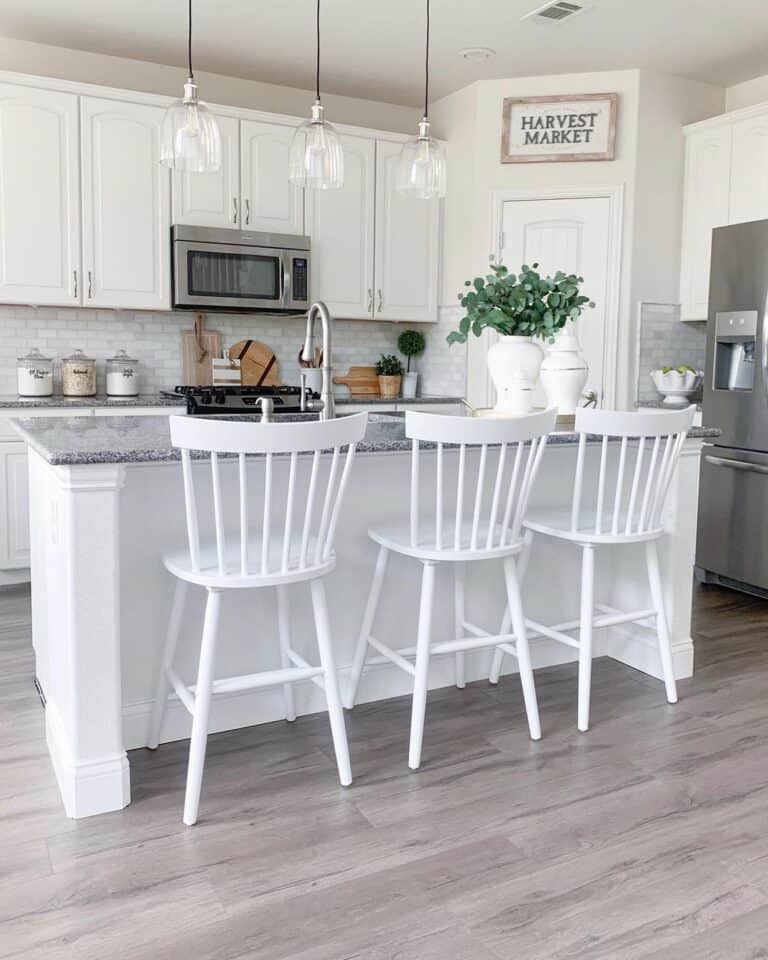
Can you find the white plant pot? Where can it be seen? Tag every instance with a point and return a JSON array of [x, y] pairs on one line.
[[514, 363], [410, 383], [564, 372]]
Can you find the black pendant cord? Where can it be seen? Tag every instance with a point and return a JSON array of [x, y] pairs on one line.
[[317, 68], [426, 71], [189, 41]]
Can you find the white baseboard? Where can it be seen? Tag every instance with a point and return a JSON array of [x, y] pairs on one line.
[[247, 708], [86, 789]]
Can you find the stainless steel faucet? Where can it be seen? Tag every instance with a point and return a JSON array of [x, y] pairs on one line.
[[328, 411]]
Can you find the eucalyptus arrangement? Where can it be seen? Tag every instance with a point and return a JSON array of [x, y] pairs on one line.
[[522, 305]]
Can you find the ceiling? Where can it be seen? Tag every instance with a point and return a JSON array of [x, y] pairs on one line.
[[374, 50]]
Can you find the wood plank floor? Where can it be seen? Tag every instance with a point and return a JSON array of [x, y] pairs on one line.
[[644, 838]]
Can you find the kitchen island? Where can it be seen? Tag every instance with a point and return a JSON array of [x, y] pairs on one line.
[[107, 502]]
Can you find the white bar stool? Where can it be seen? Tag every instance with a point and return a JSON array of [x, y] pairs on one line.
[[492, 531], [288, 546], [623, 510]]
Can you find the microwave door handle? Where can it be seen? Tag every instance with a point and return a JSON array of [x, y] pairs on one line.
[[736, 464], [282, 281]]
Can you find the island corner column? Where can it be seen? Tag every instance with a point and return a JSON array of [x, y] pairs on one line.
[[75, 533]]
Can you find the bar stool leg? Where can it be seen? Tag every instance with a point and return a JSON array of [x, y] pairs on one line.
[[284, 628], [459, 572], [523, 652], [163, 686], [202, 708], [365, 630], [332, 696], [419, 703], [585, 634], [506, 621], [662, 628]]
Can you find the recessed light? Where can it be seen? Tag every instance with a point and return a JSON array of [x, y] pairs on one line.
[[477, 54]]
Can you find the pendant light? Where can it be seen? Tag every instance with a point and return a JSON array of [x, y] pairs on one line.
[[190, 139], [422, 169], [316, 159]]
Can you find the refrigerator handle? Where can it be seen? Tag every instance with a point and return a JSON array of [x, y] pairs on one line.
[[736, 464]]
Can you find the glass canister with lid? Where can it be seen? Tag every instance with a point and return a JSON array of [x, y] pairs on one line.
[[34, 375], [122, 375], [78, 375]]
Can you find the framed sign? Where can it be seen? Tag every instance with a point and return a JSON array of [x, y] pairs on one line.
[[559, 129]]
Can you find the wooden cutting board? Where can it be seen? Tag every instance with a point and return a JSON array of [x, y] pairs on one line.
[[258, 364], [362, 381], [198, 349]]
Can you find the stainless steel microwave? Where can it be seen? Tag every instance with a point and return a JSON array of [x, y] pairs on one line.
[[234, 270]]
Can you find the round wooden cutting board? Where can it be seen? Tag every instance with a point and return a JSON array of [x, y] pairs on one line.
[[258, 364]]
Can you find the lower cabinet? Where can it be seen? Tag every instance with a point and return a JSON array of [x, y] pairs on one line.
[[14, 506]]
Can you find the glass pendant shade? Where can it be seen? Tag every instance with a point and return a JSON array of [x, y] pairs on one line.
[[316, 159], [190, 139], [422, 170]]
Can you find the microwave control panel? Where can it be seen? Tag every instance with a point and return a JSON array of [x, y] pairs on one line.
[[299, 279]]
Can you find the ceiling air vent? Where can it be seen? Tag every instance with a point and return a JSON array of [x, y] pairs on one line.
[[556, 12]]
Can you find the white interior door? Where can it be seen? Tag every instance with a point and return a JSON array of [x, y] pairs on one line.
[[212, 199], [39, 196], [572, 235]]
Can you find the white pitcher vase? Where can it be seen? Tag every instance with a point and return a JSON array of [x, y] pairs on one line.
[[514, 363], [564, 371]]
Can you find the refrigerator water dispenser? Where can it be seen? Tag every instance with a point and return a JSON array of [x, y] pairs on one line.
[[735, 336]]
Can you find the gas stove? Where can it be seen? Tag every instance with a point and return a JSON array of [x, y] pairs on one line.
[[226, 401]]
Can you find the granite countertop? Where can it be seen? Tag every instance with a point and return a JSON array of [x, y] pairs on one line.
[[68, 441], [12, 402]]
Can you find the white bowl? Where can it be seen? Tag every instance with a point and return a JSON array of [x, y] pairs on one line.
[[677, 388]]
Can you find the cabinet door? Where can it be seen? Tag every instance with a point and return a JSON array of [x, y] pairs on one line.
[[749, 170], [14, 506], [39, 196], [705, 206], [407, 246], [126, 206], [340, 224], [212, 199], [270, 202]]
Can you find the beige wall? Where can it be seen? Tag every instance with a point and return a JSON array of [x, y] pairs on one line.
[[747, 94], [49, 61]]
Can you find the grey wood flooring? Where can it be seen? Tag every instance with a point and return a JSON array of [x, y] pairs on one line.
[[644, 838]]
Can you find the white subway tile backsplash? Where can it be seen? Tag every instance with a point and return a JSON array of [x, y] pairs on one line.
[[154, 339], [665, 340]]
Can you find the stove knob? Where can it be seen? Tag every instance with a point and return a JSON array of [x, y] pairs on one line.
[[221, 397], [205, 397]]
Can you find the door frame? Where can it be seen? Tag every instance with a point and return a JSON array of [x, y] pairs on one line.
[[614, 193]]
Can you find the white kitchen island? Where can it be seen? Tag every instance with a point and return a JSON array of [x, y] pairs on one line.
[[107, 502]]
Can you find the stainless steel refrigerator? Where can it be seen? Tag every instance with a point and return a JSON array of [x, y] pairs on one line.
[[732, 544]]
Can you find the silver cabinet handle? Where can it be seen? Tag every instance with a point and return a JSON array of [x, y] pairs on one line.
[[370, 300], [74, 277], [234, 209], [247, 212], [381, 301], [90, 285], [736, 464]]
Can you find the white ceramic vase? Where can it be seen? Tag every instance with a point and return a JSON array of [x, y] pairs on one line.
[[514, 363], [564, 372], [410, 383]]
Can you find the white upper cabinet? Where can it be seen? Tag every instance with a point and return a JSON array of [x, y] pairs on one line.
[[212, 199], [705, 206], [341, 225], [126, 206], [39, 196], [407, 237], [269, 201], [749, 170]]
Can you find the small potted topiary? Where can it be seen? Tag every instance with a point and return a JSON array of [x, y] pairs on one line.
[[390, 373], [410, 343]]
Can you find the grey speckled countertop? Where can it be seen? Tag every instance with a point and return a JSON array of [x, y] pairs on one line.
[[11, 402], [69, 441]]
